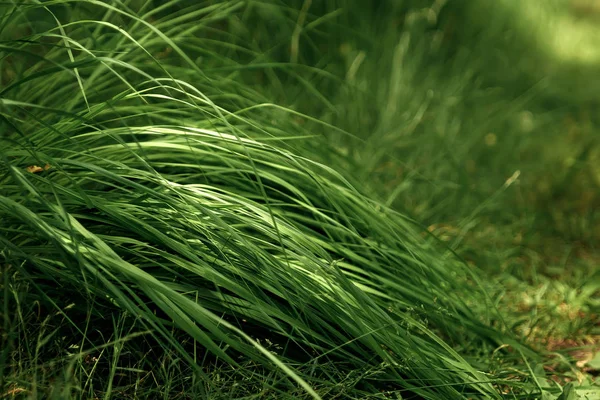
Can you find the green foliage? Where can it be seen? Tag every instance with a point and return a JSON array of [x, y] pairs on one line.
[[218, 200]]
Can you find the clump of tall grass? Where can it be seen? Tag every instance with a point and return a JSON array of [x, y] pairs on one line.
[[141, 178]]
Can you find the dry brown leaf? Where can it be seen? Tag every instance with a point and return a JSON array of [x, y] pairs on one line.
[[35, 169]]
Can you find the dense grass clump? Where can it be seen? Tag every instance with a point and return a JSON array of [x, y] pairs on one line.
[[124, 184], [176, 223]]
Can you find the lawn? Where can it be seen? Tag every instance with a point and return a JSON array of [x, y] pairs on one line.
[[331, 199]]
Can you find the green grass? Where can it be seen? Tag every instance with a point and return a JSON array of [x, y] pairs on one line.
[[292, 200]]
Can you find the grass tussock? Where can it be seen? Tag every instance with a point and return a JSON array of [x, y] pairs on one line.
[[187, 213]]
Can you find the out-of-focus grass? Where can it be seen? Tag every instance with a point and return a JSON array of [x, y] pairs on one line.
[[460, 123]]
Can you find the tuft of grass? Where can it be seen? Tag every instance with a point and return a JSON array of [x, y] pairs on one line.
[[220, 200], [147, 193]]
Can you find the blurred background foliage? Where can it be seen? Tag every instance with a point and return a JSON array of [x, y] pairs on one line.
[[441, 103]]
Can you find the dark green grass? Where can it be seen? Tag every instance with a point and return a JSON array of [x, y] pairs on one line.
[[185, 237]]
